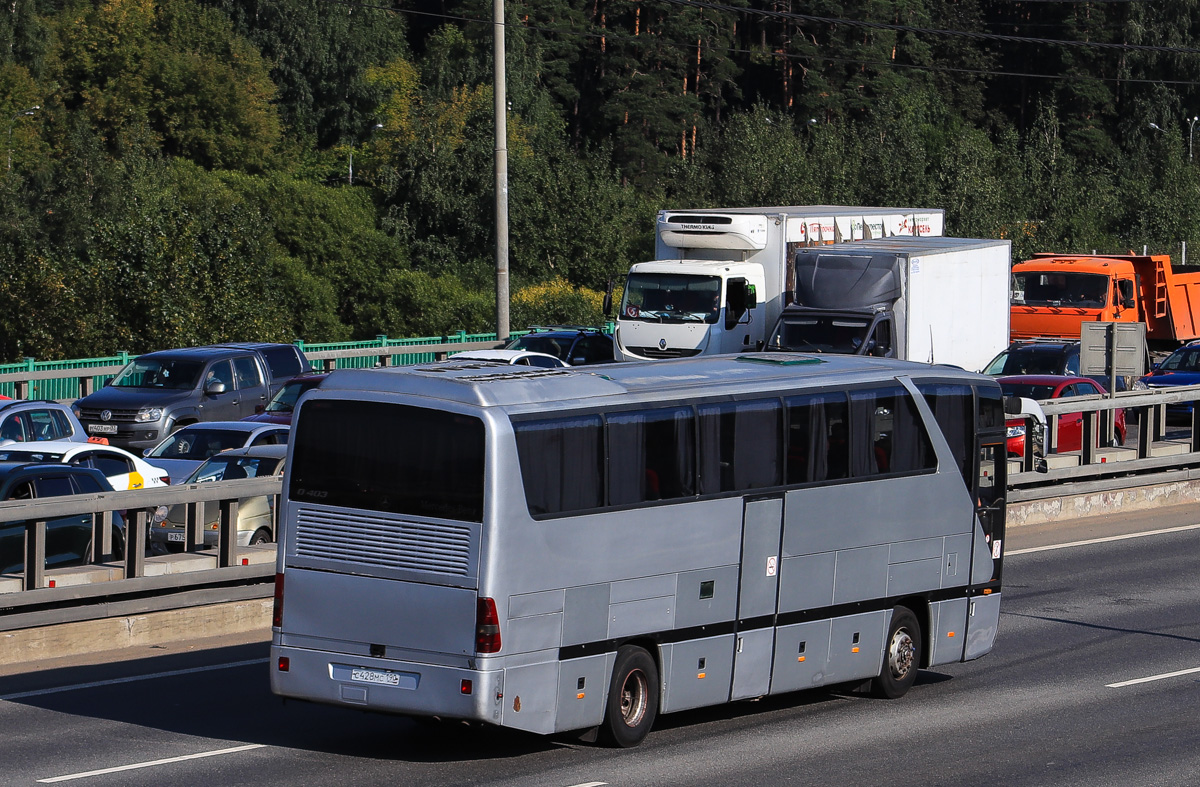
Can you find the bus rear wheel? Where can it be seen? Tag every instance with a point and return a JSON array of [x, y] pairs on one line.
[[901, 656], [632, 698]]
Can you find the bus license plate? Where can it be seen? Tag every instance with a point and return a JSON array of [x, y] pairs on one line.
[[102, 428], [375, 676], [175, 537]]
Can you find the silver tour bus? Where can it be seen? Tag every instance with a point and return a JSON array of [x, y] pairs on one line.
[[565, 549]]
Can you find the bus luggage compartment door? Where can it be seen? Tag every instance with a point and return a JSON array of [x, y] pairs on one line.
[[758, 594]]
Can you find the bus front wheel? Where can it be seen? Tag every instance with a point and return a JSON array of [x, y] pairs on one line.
[[632, 698], [901, 656]]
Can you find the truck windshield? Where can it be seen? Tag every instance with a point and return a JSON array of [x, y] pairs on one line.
[[670, 297], [165, 373], [1055, 288], [821, 334]]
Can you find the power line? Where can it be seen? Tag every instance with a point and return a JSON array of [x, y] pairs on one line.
[[932, 31], [610, 34]]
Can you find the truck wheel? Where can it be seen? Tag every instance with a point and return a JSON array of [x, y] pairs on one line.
[[901, 656], [632, 698]]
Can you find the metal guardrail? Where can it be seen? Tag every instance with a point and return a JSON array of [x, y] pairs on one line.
[[128, 587]]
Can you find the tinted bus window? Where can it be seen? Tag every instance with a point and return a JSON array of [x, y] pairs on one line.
[[562, 463], [953, 407], [652, 455], [740, 446], [817, 448], [886, 436], [991, 407], [389, 457]]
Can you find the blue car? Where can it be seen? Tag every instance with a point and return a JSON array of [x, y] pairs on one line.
[[1181, 367]]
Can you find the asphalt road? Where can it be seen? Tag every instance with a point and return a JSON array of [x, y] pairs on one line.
[[1051, 705]]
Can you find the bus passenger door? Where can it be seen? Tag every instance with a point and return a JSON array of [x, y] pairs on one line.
[[983, 611], [758, 593]]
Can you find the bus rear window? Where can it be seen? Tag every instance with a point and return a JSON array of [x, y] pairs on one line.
[[389, 457]]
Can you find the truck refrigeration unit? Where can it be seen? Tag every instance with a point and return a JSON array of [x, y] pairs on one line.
[[721, 277]]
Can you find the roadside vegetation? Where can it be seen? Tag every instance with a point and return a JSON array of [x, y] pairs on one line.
[[186, 175]]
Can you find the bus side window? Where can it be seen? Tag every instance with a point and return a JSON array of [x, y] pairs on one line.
[[740, 446], [953, 406], [562, 463], [817, 449], [652, 455]]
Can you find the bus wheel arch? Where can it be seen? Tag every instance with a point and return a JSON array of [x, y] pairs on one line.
[[903, 654], [633, 697]]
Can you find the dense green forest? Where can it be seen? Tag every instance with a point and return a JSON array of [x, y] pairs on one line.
[[179, 171]]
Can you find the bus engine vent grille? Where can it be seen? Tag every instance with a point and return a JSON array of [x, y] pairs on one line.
[[383, 541]]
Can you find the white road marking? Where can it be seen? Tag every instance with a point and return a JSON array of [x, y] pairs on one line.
[[150, 764], [132, 679], [1153, 678], [1102, 540], [590, 784]]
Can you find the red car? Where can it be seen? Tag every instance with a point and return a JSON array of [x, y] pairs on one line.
[[1043, 388]]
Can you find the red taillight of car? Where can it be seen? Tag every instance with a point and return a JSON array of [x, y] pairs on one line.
[[166, 479], [487, 627], [277, 613]]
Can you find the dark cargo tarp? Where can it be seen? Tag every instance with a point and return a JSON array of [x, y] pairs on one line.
[[842, 281]]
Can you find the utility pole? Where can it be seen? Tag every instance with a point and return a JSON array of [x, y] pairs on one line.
[[501, 173]]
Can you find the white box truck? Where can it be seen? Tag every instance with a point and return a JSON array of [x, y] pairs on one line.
[[933, 300], [721, 277]]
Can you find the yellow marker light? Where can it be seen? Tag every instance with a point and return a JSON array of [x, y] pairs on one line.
[[854, 650], [700, 676], [987, 591], [799, 658], [580, 695], [950, 634]]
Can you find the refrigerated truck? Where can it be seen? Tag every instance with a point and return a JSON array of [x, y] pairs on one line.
[[721, 277]]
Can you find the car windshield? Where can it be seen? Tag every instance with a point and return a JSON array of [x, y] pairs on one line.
[[558, 346], [25, 455], [228, 468], [164, 373], [199, 443], [670, 297], [285, 400], [1032, 360], [824, 334], [1185, 360], [1055, 288], [1028, 390]]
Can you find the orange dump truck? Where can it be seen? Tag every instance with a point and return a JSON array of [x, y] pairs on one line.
[[1053, 293]]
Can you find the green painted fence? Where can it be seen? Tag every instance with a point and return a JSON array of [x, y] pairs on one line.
[[67, 387]]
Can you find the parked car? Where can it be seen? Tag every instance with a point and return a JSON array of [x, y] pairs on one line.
[[1181, 367], [256, 515], [26, 420], [511, 357], [159, 392], [1042, 356], [186, 449], [573, 346], [1047, 387], [122, 469], [68, 539], [279, 409]]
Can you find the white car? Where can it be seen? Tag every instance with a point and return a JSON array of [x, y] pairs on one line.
[[513, 357], [186, 449], [123, 470]]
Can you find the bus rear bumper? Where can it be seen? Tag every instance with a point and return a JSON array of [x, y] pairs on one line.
[[387, 685]]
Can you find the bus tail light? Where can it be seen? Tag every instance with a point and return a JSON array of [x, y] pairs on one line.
[[487, 627], [277, 612]]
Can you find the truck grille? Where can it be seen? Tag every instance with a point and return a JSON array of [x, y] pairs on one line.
[[118, 416], [670, 352], [384, 542]]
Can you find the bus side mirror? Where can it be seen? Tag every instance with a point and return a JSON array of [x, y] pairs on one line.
[[608, 293]]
